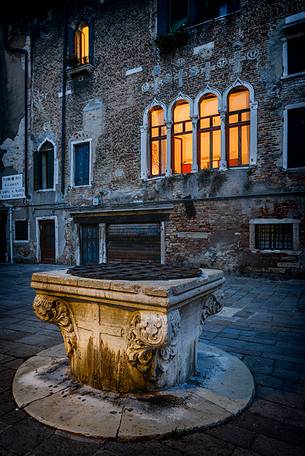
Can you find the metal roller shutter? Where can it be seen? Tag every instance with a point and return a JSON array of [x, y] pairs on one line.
[[134, 242]]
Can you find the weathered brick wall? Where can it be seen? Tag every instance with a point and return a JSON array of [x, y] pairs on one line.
[[107, 106]]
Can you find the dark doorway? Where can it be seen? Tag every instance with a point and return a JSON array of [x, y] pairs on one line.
[[134, 242], [3, 219], [89, 244], [47, 241]]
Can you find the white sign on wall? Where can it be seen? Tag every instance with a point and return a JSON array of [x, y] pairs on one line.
[[12, 187]]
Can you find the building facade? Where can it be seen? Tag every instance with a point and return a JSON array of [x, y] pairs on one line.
[[156, 130]]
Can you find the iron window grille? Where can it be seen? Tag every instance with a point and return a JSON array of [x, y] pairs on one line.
[[21, 230], [274, 236]]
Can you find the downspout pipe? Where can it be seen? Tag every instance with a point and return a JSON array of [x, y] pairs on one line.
[[25, 53], [63, 106]]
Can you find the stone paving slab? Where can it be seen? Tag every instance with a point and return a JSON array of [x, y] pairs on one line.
[[270, 312]]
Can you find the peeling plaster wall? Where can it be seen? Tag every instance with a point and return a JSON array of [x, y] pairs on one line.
[[107, 106]]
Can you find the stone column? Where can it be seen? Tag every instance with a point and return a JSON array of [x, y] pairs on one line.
[[194, 144]]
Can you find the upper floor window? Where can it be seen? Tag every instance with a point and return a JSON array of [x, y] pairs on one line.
[[209, 9], [209, 132], [182, 138], [157, 142], [238, 127], [296, 136], [294, 44], [81, 164], [174, 14], [44, 167], [81, 43]]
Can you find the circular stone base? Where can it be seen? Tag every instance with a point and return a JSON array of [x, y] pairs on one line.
[[44, 389]]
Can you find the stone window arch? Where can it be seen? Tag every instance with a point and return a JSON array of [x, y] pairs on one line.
[[209, 130], [181, 111], [241, 125], [44, 161], [154, 141]]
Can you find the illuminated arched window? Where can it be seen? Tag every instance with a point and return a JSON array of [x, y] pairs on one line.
[[209, 132], [81, 43], [182, 138], [238, 127], [157, 133]]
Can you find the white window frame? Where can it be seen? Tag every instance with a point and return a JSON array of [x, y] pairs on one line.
[[209, 90], [72, 145], [285, 134], [268, 221], [23, 241], [55, 165], [38, 251], [194, 115], [290, 21], [253, 120]]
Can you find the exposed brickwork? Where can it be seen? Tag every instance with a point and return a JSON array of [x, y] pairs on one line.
[[247, 45]]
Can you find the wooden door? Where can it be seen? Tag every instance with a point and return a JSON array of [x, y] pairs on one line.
[[2, 237], [134, 242], [89, 244], [47, 241]]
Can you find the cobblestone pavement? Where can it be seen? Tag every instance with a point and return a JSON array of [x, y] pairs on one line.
[[262, 323]]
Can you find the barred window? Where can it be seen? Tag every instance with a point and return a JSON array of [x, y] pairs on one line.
[[21, 230], [271, 236]]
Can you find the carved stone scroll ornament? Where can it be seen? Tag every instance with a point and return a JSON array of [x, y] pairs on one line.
[[147, 333], [50, 309], [211, 305], [168, 352]]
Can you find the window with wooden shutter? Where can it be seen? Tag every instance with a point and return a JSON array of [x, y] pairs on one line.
[[36, 170], [81, 164]]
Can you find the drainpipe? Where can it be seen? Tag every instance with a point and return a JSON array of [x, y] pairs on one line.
[[10, 209], [63, 109], [26, 121]]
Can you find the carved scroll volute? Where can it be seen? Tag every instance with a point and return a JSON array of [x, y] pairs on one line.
[[211, 305], [52, 310], [147, 333]]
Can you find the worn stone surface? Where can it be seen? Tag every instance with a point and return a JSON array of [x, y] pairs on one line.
[[107, 107], [222, 388], [121, 337], [277, 316]]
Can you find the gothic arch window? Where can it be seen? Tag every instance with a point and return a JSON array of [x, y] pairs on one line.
[[182, 133], [209, 132], [238, 127], [81, 43], [157, 142], [44, 167]]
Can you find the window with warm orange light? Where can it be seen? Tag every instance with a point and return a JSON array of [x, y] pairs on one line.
[[157, 142], [209, 133], [182, 139], [238, 128], [81, 43]]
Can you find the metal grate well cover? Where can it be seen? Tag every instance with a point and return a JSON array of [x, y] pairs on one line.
[[134, 271]]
